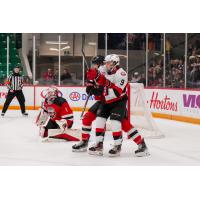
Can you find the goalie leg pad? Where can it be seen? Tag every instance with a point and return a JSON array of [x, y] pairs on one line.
[[69, 134], [42, 118], [43, 132]]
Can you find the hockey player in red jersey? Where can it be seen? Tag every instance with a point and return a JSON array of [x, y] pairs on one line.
[[55, 116], [114, 107], [91, 89], [90, 116]]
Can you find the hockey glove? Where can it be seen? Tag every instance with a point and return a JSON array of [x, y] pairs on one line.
[[102, 81], [89, 87]]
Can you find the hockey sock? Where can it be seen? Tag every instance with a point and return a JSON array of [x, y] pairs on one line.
[[131, 131], [100, 132], [88, 118], [116, 131]]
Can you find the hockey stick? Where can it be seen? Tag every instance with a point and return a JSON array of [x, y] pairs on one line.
[[88, 96], [81, 117], [83, 53]]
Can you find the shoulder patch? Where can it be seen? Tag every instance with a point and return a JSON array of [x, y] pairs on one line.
[[123, 73]]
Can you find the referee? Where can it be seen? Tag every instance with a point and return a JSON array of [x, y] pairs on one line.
[[15, 85]]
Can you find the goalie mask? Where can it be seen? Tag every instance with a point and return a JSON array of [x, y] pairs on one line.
[[51, 94], [112, 62]]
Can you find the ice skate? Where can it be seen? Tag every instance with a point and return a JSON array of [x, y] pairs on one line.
[[25, 114], [115, 151], [81, 146], [142, 150], [96, 149]]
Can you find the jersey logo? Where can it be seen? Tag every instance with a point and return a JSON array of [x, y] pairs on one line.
[[123, 73], [3, 95]]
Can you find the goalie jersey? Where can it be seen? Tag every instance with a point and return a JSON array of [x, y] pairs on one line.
[[59, 109]]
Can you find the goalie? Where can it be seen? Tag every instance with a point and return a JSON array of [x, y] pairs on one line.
[[55, 118]]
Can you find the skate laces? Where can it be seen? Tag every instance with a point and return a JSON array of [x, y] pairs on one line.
[[96, 145], [115, 147]]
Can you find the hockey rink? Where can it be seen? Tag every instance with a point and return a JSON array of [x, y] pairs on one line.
[[20, 145]]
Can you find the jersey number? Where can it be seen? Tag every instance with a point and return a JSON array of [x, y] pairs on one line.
[[122, 82]]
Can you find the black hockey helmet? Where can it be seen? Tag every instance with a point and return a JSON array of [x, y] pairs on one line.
[[98, 60]]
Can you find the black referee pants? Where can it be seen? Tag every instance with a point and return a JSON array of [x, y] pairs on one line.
[[20, 97]]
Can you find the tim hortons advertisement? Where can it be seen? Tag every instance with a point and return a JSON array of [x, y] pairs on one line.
[[162, 101], [174, 102]]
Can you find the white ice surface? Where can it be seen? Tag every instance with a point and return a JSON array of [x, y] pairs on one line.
[[20, 145]]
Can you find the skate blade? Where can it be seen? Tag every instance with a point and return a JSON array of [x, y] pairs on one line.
[[43, 140], [142, 154], [96, 153], [79, 150], [114, 155], [49, 139]]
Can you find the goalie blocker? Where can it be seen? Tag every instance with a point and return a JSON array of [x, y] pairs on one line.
[[55, 118]]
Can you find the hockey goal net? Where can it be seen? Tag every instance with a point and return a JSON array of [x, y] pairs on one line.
[[139, 112]]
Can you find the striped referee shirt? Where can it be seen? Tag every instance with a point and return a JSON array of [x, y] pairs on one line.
[[15, 82]]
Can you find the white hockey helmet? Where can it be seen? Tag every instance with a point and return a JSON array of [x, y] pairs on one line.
[[51, 94], [113, 58]]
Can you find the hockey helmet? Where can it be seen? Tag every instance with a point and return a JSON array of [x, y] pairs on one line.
[[51, 94], [112, 62], [112, 58], [98, 60]]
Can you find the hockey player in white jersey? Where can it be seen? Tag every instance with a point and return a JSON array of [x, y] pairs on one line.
[[114, 106]]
